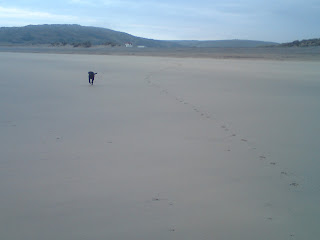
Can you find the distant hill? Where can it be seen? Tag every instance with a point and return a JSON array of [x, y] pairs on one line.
[[302, 43], [72, 34], [225, 43], [76, 35]]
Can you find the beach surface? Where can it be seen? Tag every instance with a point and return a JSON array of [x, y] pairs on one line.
[[257, 53], [158, 148]]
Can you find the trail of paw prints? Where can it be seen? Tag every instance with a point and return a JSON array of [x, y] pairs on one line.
[[206, 115], [226, 127], [230, 134], [292, 181], [203, 114]]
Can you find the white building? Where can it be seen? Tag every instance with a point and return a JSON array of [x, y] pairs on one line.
[[128, 44]]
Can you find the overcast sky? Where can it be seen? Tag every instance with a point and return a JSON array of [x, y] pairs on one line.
[[269, 20]]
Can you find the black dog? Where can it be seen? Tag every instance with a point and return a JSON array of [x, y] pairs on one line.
[[91, 77]]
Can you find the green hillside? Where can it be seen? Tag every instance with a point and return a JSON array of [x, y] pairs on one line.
[[82, 36], [302, 43], [72, 34]]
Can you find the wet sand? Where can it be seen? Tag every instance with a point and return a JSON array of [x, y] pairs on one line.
[[158, 148], [257, 53]]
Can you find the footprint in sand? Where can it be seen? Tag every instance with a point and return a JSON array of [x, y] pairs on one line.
[[157, 198], [294, 184], [58, 139]]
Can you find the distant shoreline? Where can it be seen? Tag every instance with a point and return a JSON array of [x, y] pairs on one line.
[[259, 53]]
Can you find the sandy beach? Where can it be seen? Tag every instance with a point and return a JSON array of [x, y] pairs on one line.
[[159, 147]]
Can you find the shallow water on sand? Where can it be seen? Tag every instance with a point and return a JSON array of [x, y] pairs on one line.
[[158, 148]]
